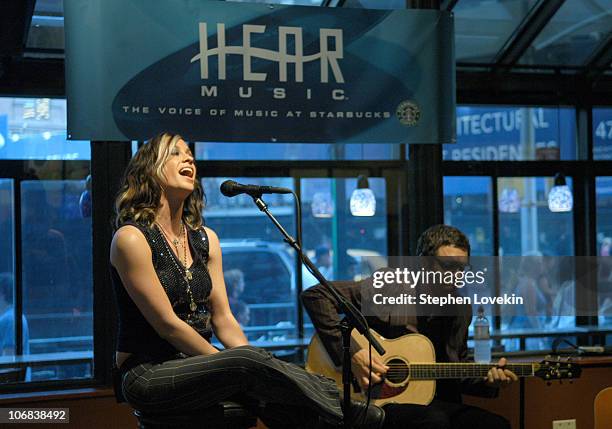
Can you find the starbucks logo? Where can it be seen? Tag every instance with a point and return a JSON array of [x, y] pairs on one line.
[[408, 113]]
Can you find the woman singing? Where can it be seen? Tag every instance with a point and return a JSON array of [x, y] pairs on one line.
[[168, 280]]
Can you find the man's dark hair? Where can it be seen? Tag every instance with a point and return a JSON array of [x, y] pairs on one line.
[[441, 235], [6, 287]]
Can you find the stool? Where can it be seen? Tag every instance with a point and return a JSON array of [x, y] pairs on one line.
[[224, 415]]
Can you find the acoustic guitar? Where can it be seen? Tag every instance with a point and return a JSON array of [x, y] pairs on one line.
[[413, 370]]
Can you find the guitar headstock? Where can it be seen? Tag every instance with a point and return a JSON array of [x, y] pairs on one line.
[[557, 368]]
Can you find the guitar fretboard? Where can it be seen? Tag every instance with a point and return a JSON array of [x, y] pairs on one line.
[[432, 371]]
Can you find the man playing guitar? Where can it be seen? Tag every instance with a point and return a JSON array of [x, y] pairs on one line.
[[448, 335]]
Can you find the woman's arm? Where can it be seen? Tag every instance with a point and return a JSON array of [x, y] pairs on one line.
[[225, 325], [131, 256]]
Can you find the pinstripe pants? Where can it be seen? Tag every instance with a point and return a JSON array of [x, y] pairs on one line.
[[293, 397]]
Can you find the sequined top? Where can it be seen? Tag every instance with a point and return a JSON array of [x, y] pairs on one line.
[[135, 334]]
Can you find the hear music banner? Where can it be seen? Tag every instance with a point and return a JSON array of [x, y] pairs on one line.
[[243, 72]]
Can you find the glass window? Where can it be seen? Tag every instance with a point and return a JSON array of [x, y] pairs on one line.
[[572, 35], [8, 347], [295, 151], [259, 267], [35, 128], [7, 216], [468, 205], [530, 227], [47, 27], [57, 273], [527, 227], [483, 27], [342, 246], [603, 189], [602, 134], [496, 133]]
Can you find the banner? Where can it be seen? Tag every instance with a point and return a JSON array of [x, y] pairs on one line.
[[242, 72]]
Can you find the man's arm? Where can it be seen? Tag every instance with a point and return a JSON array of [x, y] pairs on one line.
[[474, 386], [325, 313]]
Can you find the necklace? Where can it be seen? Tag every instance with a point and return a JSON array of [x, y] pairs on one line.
[[188, 276]]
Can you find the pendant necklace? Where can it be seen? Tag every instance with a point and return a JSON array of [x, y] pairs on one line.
[[188, 275]]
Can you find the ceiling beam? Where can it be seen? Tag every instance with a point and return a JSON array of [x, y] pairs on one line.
[[527, 31], [600, 60], [485, 87]]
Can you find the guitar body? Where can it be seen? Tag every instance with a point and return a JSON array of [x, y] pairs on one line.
[[400, 353], [413, 371]]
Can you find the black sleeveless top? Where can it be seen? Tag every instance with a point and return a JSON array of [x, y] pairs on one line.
[[135, 334]]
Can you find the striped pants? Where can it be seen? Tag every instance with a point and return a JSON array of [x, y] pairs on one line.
[[293, 398]]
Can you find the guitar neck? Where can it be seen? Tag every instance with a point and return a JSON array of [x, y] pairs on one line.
[[432, 371]]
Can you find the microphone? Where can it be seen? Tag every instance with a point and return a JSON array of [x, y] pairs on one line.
[[229, 188]]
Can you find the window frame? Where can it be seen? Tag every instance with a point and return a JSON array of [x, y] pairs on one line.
[[108, 160]]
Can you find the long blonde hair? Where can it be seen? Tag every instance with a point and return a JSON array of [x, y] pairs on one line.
[[139, 195]]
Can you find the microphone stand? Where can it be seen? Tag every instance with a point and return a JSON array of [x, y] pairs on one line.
[[353, 317]]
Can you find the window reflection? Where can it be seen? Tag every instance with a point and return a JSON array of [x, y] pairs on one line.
[[57, 272], [7, 222], [541, 276], [534, 229], [468, 206], [603, 189], [8, 347], [342, 246], [35, 128], [259, 268]]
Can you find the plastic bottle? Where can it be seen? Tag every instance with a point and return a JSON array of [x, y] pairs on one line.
[[482, 339]]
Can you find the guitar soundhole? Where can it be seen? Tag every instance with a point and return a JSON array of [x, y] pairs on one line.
[[398, 371]]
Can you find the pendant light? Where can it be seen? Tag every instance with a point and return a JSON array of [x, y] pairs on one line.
[[560, 197], [363, 202]]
